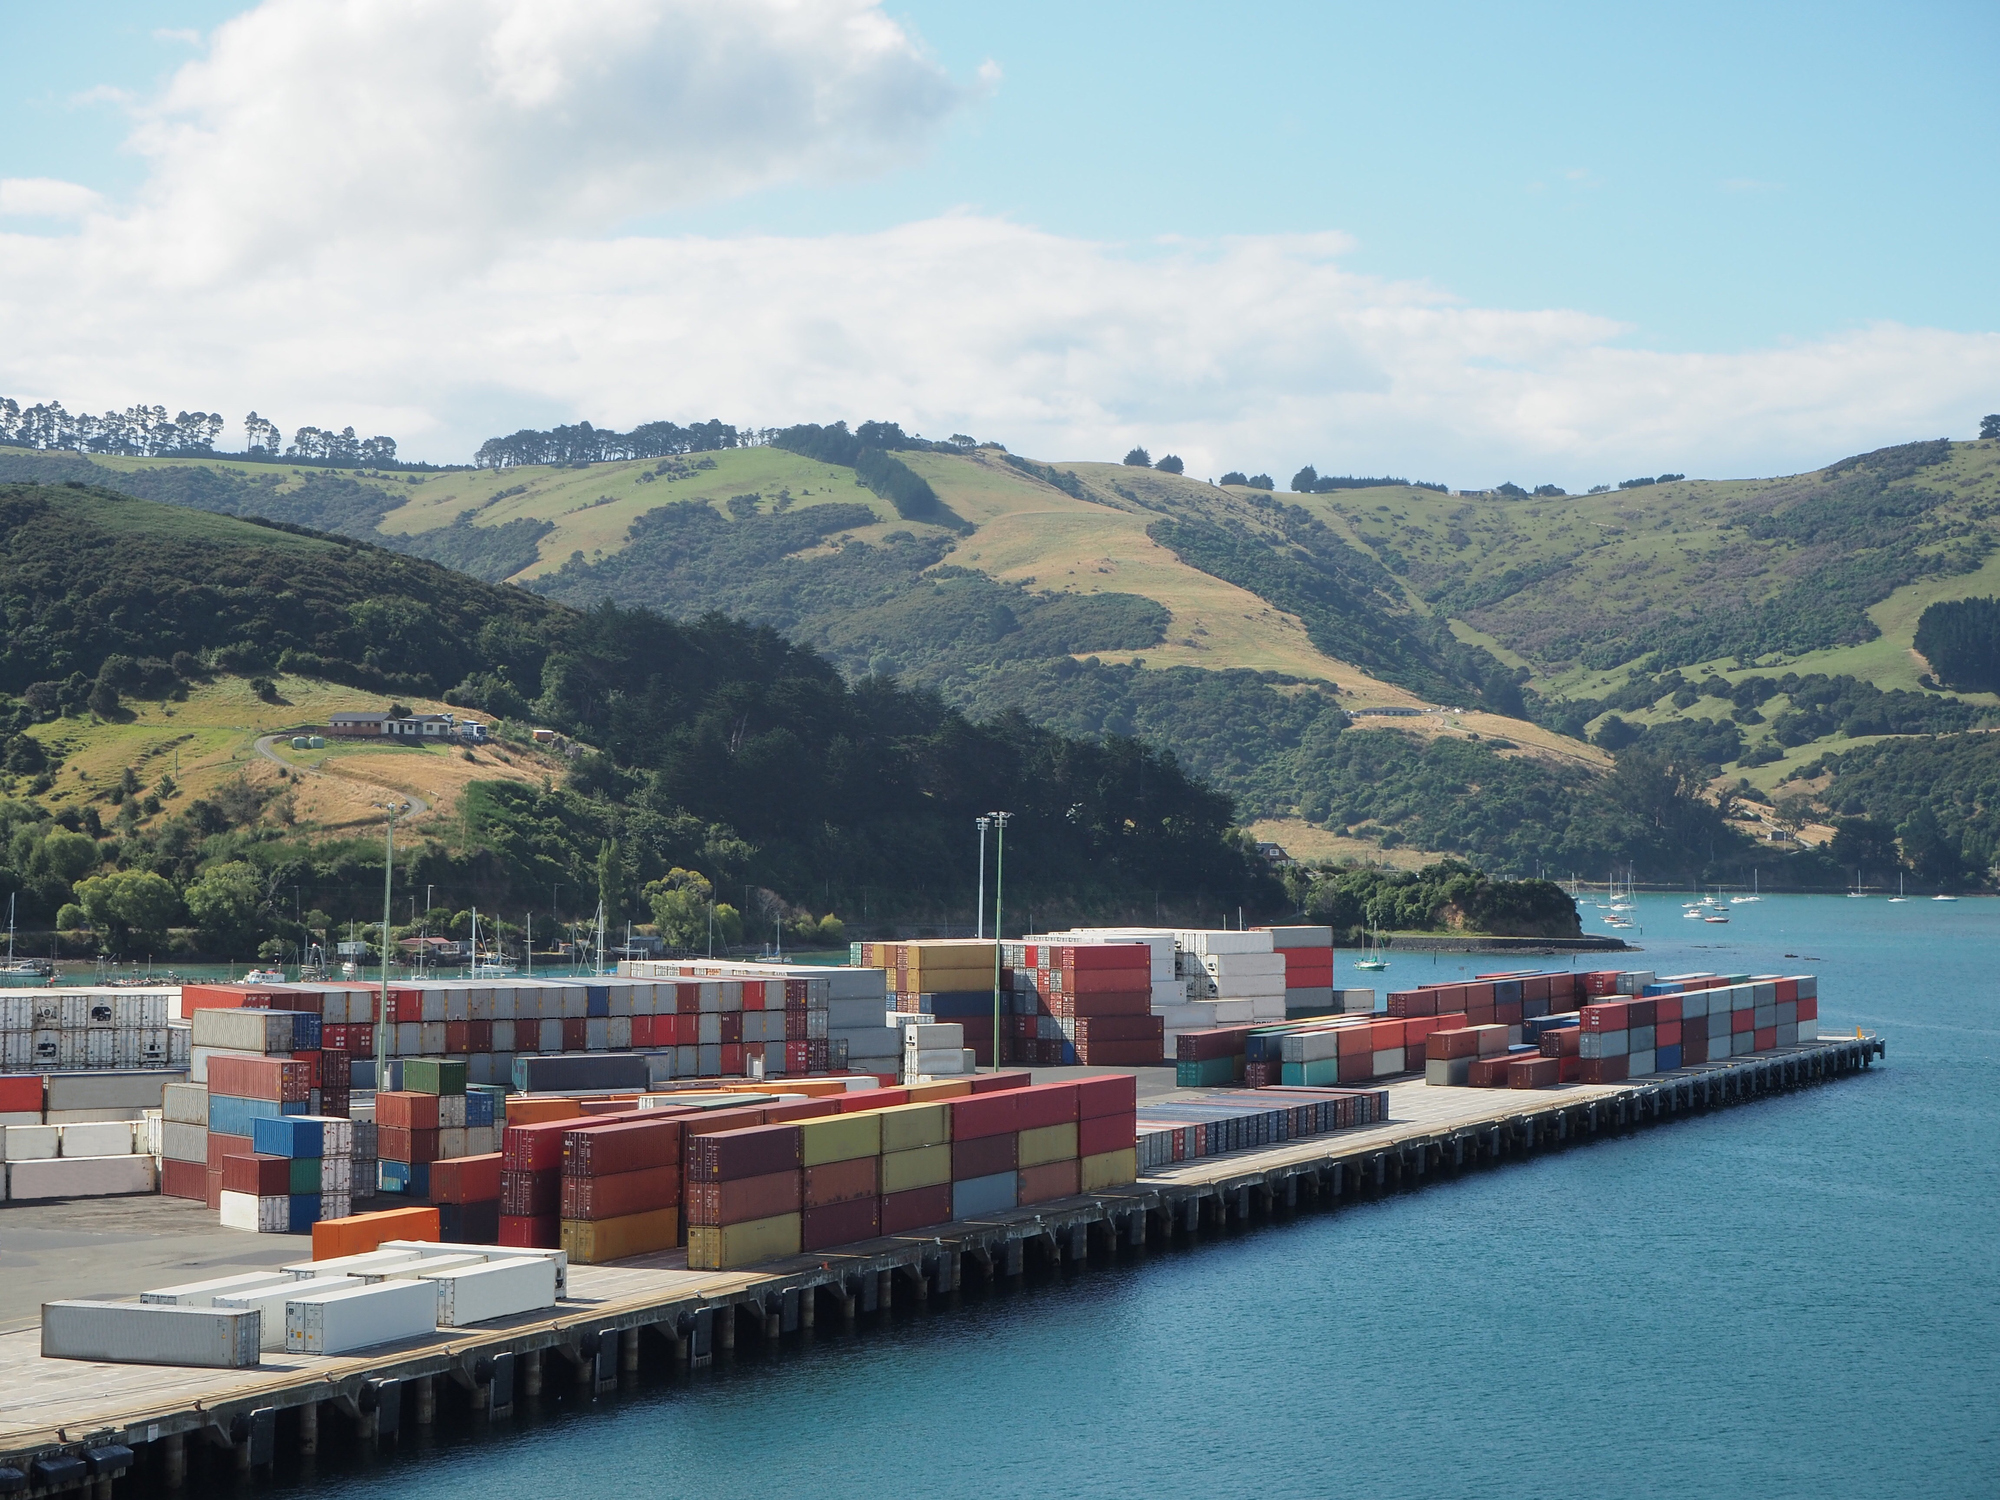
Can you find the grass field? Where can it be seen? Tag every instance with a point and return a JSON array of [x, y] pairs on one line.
[[211, 739]]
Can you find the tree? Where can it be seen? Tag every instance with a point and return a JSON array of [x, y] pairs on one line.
[[1139, 458], [1170, 464], [1931, 853], [1304, 480], [1234, 476], [1615, 734], [1989, 425], [1503, 694], [128, 902], [1864, 844], [103, 699], [225, 902], [1793, 811], [683, 903], [1259, 481], [611, 883]]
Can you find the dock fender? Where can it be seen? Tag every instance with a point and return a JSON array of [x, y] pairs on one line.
[[12, 1480], [259, 1429], [383, 1398], [57, 1471], [109, 1461]]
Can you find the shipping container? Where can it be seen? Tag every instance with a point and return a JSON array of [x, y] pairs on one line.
[[269, 1302], [360, 1317], [493, 1289], [150, 1334]]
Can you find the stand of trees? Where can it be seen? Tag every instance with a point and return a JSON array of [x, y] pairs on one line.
[[585, 444]]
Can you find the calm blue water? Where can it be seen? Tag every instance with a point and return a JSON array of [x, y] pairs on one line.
[[1798, 1297]]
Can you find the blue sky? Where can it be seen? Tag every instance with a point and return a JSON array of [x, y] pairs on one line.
[[1718, 180]]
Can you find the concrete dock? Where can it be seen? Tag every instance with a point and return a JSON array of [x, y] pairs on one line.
[[137, 1425]]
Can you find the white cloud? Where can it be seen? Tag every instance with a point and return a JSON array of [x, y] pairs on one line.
[[45, 198], [404, 218]]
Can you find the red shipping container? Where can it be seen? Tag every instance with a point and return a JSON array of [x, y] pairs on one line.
[[1564, 1042], [629, 1146], [839, 1181], [1088, 956], [457, 1037], [1787, 989], [1121, 1054], [540, 1233], [840, 1223], [755, 995], [1667, 1034], [417, 1147], [1809, 1009], [1354, 1041], [854, 1101], [1413, 1003], [1508, 1013], [575, 1034], [1356, 1067], [1441, 1046], [406, 1111], [279, 1079], [1044, 1104], [1490, 1072], [466, 1179], [1101, 1133], [1110, 1094], [1742, 1020], [918, 1208], [1613, 1015], [530, 1194], [741, 1199], [1533, 1073], [1115, 1028], [802, 1109], [334, 1038], [621, 1193], [530, 1148], [714, 1122], [184, 1179], [1766, 1037], [361, 1039], [1694, 1046], [642, 1031], [214, 1175], [979, 1115], [755, 1151], [1051, 1180], [261, 1176], [1666, 1008], [220, 1146], [1569, 1069], [1604, 1069], [984, 1155]]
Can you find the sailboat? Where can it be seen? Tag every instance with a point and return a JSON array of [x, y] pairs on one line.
[[1857, 894], [1899, 896], [1374, 963], [23, 970], [1753, 896]]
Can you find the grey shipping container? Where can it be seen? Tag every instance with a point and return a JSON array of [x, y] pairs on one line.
[[104, 1090], [140, 1333], [434, 1249], [204, 1293], [360, 1317], [580, 1070], [260, 1031], [270, 1302]]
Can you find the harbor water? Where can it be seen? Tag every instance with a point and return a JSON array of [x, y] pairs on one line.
[[1797, 1297]]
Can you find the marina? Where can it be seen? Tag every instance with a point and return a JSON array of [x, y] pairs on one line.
[[65, 1423]]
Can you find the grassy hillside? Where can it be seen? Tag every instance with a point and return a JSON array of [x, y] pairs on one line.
[[1243, 629]]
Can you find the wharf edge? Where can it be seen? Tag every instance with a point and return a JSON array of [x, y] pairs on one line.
[[91, 1438]]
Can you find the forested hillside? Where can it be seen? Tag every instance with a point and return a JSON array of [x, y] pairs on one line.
[[710, 745]]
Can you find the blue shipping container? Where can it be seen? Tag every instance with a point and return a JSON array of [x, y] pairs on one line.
[[284, 1136], [304, 1212], [983, 1195], [305, 1031], [565, 1071], [229, 1115], [413, 1178], [597, 1000], [1666, 1059]]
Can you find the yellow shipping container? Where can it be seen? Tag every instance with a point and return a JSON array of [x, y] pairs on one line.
[[1047, 1143], [591, 1242], [731, 1245], [840, 1138], [906, 1127], [927, 1166], [955, 1088], [1110, 1169]]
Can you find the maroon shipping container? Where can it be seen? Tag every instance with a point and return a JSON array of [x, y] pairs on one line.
[[1643, 1012], [629, 1146], [741, 1199], [575, 1034], [840, 1223], [1103, 1133], [406, 1111], [1043, 1104], [220, 1146], [457, 1037], [263, 1176], [976, 1115], [1490, 1072], [1610, 1015], [1444, 1045], [1121, 1054], [1604, 1069], [1206, 1046], [841, 1181], [1413, 1003], [184, 1179], [756, 1151], [1051, 1180], [530, 1194], [1137, 1028], [417, 1147], [1111, 1094], [993, 1083], [1120, 1003], [803, 1109], [1124, 979], [214, 1176], [984, 1155], [280, 1079], [1532, 1072], [539, 1146], [541, 1232], [1565, 1041], [466, 1179], [1356, 1067], [917, 1208], [621, 1193]]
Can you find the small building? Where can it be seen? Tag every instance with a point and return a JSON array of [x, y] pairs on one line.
[[437, 950], [385, 725], [1275, 854]]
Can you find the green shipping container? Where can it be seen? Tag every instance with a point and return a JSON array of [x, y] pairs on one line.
[[1196, 1075], [433, 1075], [1321, 1073], [305, 1175]]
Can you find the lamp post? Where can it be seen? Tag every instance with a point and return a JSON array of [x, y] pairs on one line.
[[999, 869], [388, 875], [979, 906]]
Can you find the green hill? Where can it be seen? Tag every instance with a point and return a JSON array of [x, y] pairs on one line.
[[1733, 633], [712, 745]]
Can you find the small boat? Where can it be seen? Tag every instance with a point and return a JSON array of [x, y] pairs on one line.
[[1753, 896], [265, 976], [1899, 896], [1374, 963], [1942, 897], [1719, 917], [1857, 894]]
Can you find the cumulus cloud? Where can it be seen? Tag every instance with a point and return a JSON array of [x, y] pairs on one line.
[[45, 198], [406, 217]]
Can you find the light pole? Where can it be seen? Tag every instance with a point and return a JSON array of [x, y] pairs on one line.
[[979, 906], [388, 874], [999, 870]]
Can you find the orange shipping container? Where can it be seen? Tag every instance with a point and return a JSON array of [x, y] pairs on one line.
[[838, 1181], [1056, 1179], [360, 1233]]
